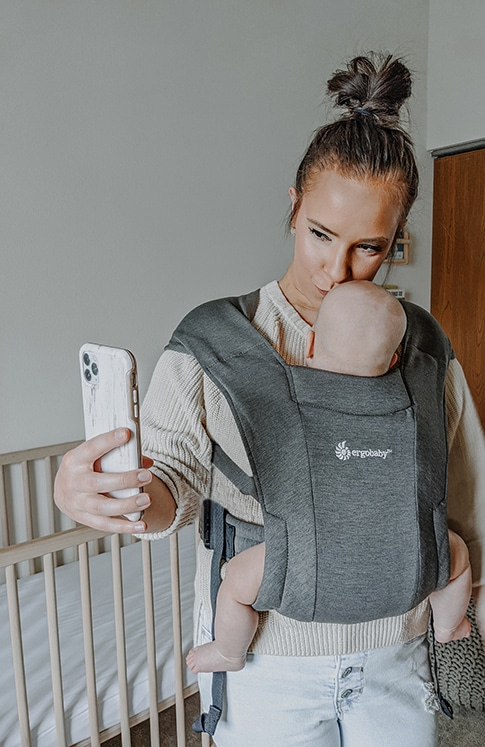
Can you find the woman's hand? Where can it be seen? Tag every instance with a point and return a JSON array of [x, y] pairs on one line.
[[80, 487]]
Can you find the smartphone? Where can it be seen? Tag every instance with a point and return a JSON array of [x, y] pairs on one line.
[[110, 400]]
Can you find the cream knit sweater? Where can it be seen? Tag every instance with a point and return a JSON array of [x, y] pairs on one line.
[[183, 411]]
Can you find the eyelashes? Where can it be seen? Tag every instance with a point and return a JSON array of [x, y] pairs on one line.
[[318, 234], [368, 248]]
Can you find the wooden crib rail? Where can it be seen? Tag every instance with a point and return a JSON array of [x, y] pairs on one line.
[[45, 548], [41, 552], [42, 546], [27, 508], [39, 452]]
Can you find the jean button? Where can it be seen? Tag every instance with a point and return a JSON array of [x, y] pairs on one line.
[[346, 672], [346, 693]]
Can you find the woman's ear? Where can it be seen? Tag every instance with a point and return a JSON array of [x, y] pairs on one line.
[[294, 197], [310, 345]]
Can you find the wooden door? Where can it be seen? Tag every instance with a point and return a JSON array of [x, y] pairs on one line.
[[458, 262]]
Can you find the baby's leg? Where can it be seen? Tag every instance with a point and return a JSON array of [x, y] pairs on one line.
[[450, 604], [236, 621]]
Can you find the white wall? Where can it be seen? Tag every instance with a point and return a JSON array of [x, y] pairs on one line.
[[456, 98], [146, 152]]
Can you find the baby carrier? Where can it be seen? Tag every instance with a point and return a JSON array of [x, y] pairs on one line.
[[350, 471]]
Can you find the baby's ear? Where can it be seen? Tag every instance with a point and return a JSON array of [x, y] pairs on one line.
[[310, 345]]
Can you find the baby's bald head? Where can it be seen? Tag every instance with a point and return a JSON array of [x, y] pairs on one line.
[[357, 331]]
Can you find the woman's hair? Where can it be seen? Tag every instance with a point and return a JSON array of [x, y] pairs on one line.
[[367, 142]]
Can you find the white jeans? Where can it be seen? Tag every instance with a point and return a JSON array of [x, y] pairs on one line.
[[377, 698]]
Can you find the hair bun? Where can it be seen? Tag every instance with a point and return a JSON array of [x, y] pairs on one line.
[[375, 86]]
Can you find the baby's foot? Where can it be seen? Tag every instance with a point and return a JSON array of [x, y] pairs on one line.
[[444, 635], [207, 658]]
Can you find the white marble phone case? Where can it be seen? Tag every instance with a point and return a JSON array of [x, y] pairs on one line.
[[110, 400]]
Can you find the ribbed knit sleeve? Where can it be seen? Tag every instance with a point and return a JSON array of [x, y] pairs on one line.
[[173, 434], [466, 470]]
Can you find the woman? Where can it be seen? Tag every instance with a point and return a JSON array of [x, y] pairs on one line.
[[304, 683]]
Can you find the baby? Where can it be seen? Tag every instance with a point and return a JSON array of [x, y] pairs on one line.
[[358, 332]]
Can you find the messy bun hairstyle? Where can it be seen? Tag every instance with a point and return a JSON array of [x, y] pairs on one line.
[[367, 142]]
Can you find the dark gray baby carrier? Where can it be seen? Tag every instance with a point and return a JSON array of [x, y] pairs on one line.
[[350, 471]]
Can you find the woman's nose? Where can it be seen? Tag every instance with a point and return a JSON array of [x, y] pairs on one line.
[[338, 267]]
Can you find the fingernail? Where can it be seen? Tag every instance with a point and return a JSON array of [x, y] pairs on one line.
[[144, 475], [120, 434], [143, 501], [139, 527]]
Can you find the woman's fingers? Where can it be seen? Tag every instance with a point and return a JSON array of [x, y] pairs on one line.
[[98, 446], [109, 482], [80, 489], [105, 513], [111, 524]]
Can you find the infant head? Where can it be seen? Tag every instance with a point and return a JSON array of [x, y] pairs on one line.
[[357, 331]]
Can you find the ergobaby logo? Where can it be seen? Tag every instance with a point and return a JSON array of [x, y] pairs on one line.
[[344, 452]]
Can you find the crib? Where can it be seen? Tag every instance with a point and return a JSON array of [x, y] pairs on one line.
[[94, 629]]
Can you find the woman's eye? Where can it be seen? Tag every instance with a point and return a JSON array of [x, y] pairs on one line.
[[319, 234], [371, 248]]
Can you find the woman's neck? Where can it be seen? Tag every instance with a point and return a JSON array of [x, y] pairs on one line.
[[297, 300]]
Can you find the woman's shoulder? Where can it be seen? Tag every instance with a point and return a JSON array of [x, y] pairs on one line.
[[266, 308]]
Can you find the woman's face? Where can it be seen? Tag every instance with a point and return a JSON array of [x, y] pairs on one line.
[[344, 230]]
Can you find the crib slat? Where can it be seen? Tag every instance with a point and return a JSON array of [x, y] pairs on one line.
[[120, 639], [151, 645], [3, 510], [177, 640], [49, 489], [18, 655], [28, 509], [87, 618], [54, 648]]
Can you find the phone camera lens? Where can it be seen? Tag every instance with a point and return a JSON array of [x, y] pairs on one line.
[[87, 374], [94, 369], [86, 359]]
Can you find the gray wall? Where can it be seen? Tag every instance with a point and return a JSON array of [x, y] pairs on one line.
[[147, 148], [456, 99]]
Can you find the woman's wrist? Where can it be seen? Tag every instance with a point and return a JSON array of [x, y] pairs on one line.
[[159, 515]]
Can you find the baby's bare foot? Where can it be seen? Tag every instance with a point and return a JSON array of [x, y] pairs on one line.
[[463, 630], [207, 658]]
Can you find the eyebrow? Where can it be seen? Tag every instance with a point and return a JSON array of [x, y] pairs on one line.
[[375, 240]]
